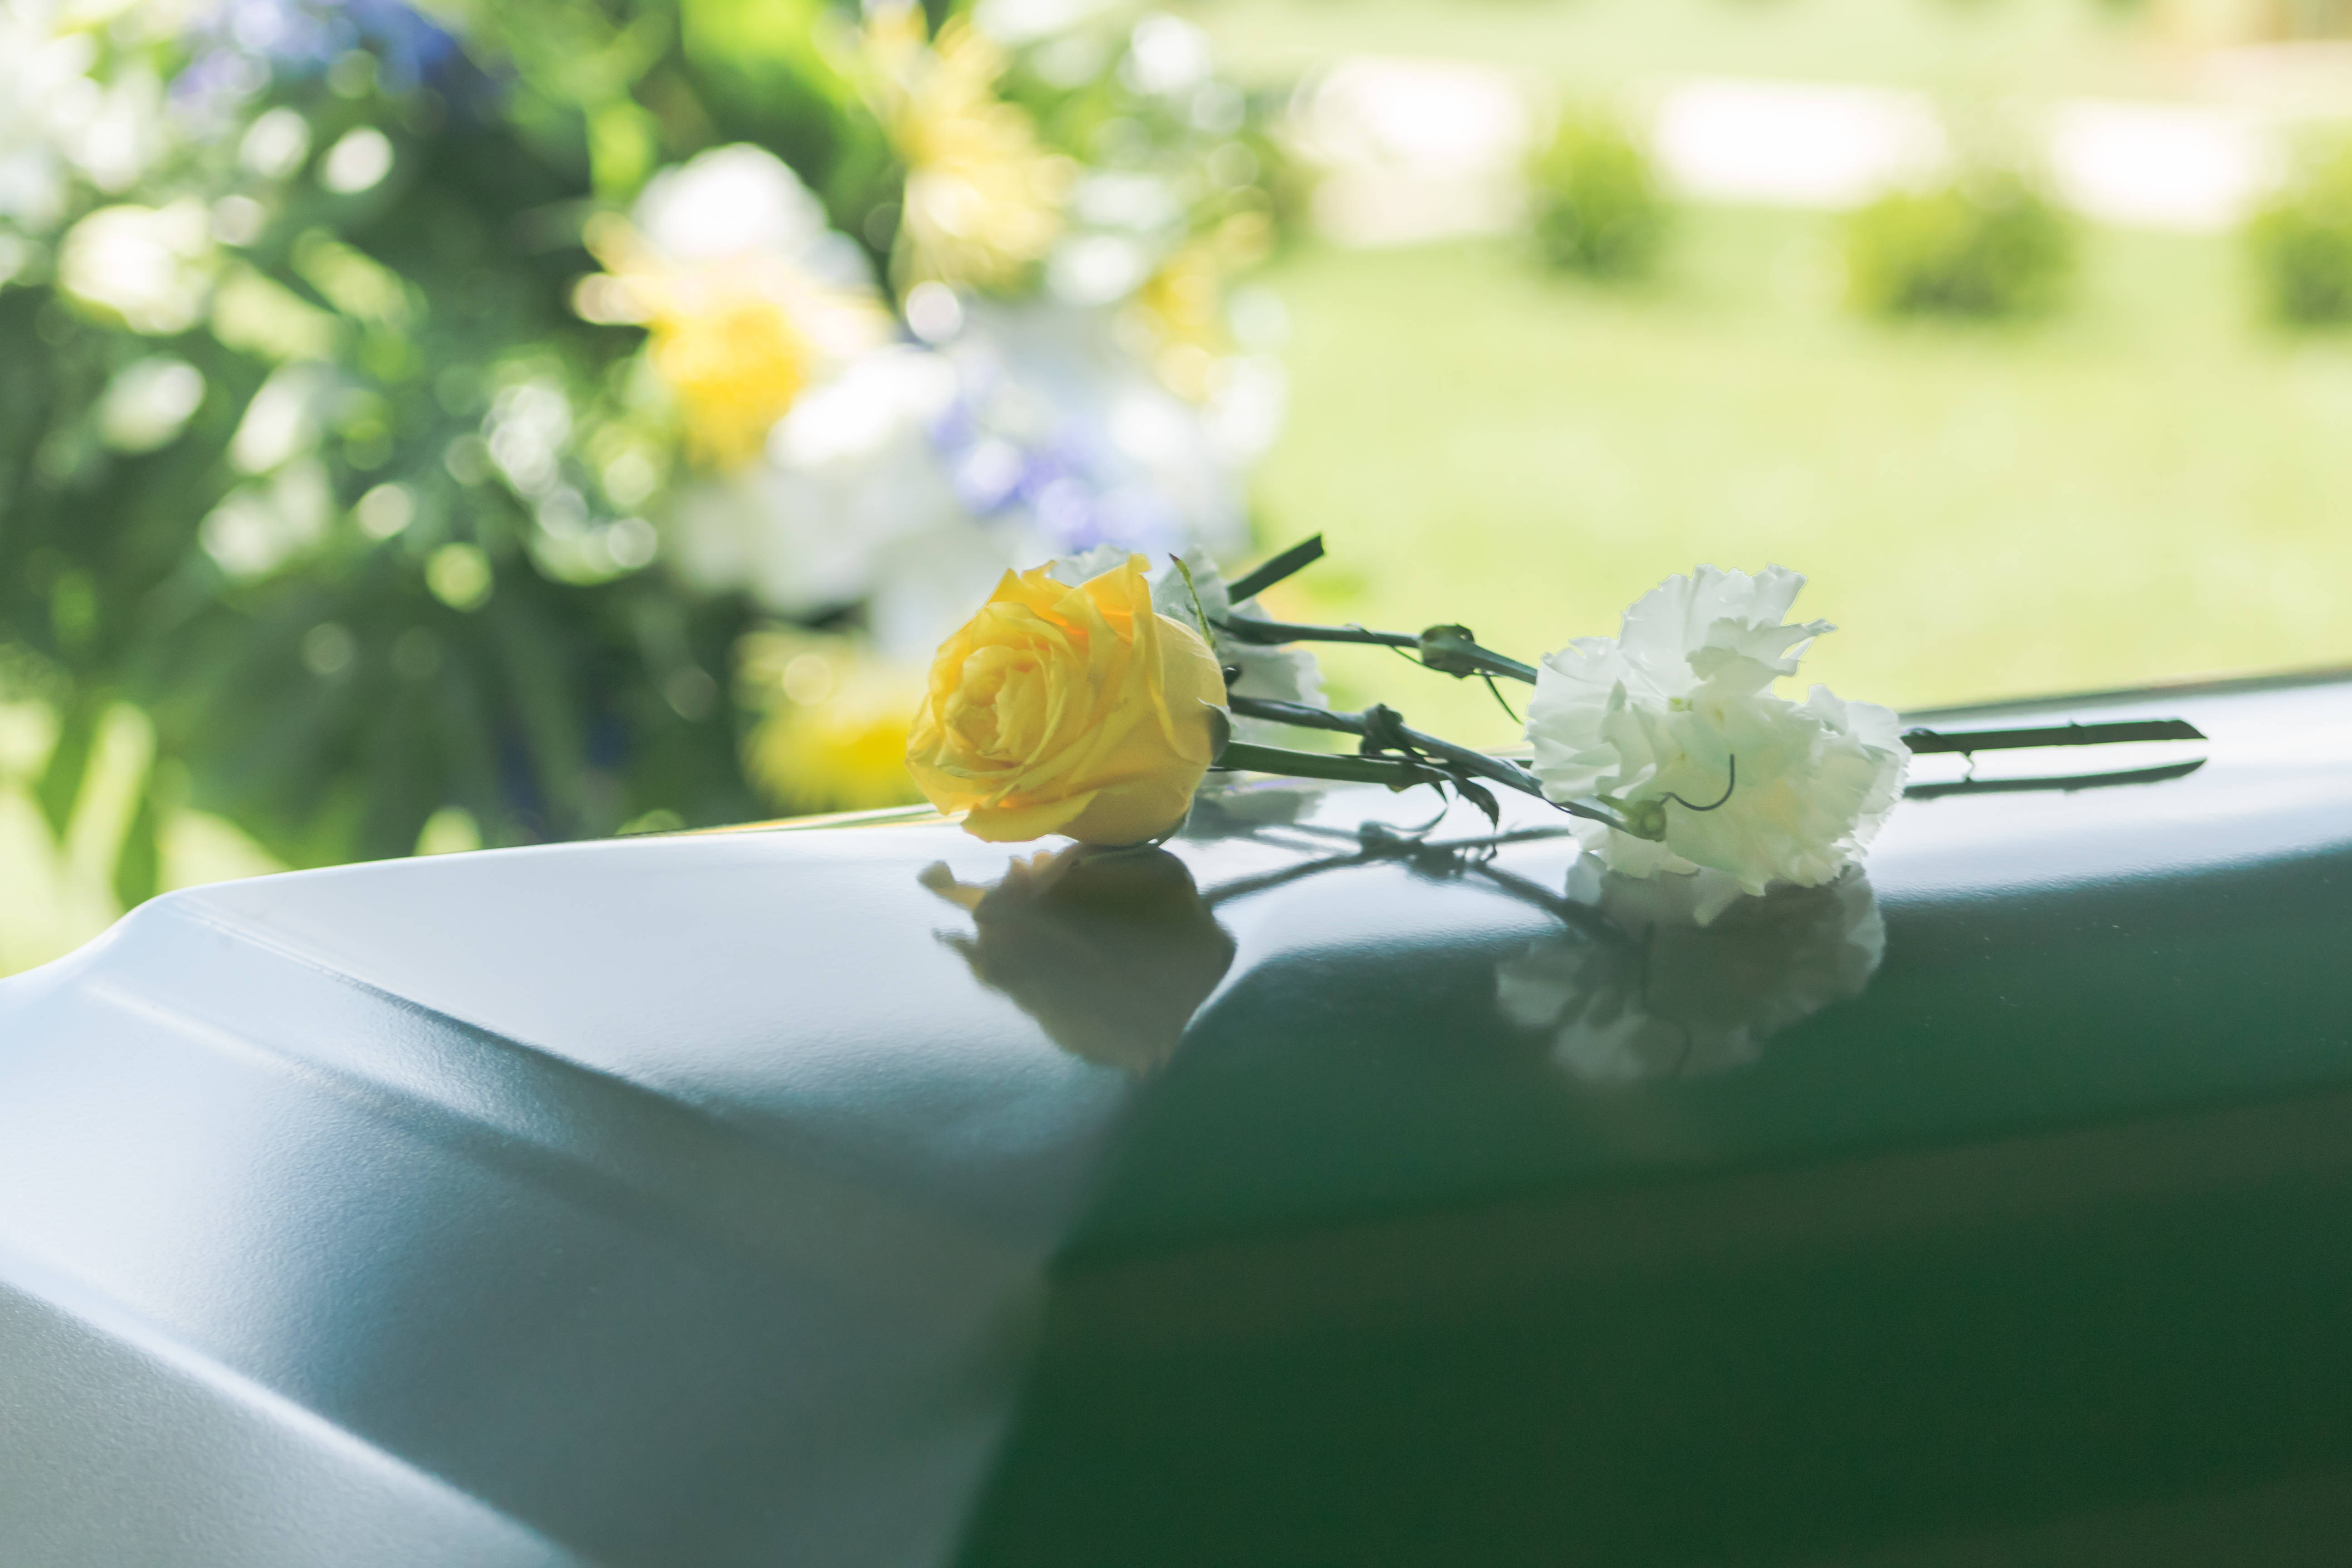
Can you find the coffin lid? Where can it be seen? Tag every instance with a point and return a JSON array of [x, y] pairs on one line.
[[1297, 1195]]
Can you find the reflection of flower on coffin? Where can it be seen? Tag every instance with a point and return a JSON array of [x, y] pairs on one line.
[[1110, 953], [1658, 994], [1233, 805]]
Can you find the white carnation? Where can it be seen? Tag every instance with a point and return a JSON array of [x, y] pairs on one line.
[[1652, 721]]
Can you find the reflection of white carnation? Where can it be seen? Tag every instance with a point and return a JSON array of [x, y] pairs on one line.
[[1653, 993], [152, 265], [1236, 806], [1665, 708]]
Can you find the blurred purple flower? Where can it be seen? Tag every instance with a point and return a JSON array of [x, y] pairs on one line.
[[1035, 450], [238, 45]]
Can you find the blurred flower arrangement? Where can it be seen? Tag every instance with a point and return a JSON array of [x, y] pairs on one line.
[[559, 418]]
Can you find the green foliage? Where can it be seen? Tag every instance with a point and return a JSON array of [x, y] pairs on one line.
[[2302, 242], [304, 678], [318, 472], [1594, 201], [1987, 245]]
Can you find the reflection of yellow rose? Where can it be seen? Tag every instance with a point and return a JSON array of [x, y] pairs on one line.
[[1071, 711], [1111, 955]]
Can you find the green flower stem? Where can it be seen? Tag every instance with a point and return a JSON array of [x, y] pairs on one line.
[[1445, 859], [1250, 629], [1392, 771], [1449, 650], [1382, 726], [1446, 650], [1299, 557], [1370, 724]]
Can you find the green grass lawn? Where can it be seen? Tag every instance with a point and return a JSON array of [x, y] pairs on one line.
[[2149, 485]]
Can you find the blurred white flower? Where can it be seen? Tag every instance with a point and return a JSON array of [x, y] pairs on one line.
[[1060, 433], [385, 510], [525, 431], [43, 78], [275, 145], [1675, 723], [58, 119], [1652, 989], [1096, 269], [853, 504], [282, 420], [1016, 22], [259, 527], [1140, 203], [1280, 674], [742, 201], [153, 266], [917, 475], [148, 403], [750, 298], [1167, 55], [358, 161], [124, 133]]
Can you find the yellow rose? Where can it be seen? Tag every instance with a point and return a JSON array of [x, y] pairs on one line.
[[1072, 710]]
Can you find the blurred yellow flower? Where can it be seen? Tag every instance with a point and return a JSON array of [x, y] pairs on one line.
[[728, 338], [983, 199], [747, 298], [1182, 305], [833, 736], [736, 363]]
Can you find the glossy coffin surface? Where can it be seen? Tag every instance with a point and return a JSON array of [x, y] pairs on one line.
[[1297, 1196]]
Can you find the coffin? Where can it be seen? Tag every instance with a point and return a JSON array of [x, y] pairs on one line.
[[1333, 1187]]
